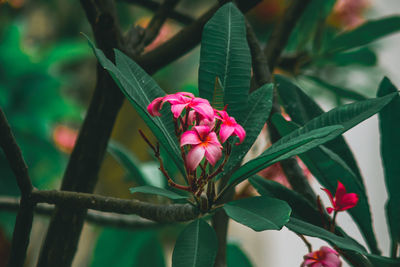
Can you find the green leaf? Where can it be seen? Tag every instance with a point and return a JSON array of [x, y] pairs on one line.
[[218, 95], [368, 32], [147, 189], [196, 246], [128, 160], [286, 147], [258, 110], [329, 168], [310, 23], [141, 89], [236, 257], [124, 248], [304, 228], [259, 213], [383, 261], [364, 56], [226, 55], [301, 207], [339, 91], [302, 109], [389, 119]]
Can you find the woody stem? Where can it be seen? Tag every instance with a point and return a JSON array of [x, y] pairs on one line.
[[333, 222]]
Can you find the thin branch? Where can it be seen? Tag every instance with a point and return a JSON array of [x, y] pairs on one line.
[[23, 224], [157, 21], [281, 33], [153, 5], [154, 212], [14, 156], [182, 42], [99, 218]]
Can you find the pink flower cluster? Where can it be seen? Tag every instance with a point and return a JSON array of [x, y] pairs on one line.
[[199, 126]]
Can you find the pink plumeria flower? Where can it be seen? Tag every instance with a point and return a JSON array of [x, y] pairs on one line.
[[229, 127], [342, 200], [155, 106], [204, 143], [180, 101], [324, 257]]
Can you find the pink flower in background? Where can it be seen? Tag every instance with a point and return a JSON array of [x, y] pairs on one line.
[[65, 138], [342, 200], [204, 142], [229, 127], [324, 257]]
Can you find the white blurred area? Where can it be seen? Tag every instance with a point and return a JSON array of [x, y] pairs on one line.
[[285, 249]]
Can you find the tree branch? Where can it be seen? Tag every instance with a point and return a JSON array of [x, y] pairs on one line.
[[100, 218], [281, 33], [158, 20], [153, 5], [154, 212], [23, 224]]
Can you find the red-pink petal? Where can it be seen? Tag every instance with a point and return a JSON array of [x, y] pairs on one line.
[[202, 131], [204, 109], [348, 201], [213, 139], [225, 131], [195, 156], [177, 109], [329, 210], [213, 153], [340, 191], [190, 138], [154, 107], [330, 197], [240, 132]]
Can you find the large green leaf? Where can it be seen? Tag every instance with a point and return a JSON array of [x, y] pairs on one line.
[[141, 89], [196, 246], [304, 228], [286, 147], [226, 55], [301, 207], [128, 161], [389, 122], [368, 32], [310, 24], [259, 107], [259, 213], [302, 109], [124, 248], [147, 189], [339, 91], [235, 257], [329, 168]]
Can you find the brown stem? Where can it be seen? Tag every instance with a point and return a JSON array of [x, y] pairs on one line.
[[308, 244]]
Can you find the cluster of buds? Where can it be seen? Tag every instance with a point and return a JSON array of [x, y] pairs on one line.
[[201, 131]]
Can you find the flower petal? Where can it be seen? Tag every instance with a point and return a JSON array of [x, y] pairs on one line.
[[330, 198], [154, 107], [190, 138], [348, 201], [177, 109], [225, 132], [202, 131], [240, 132], [204, 109], [213, 153], [340, 191], [213, 139], [194, 157]]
